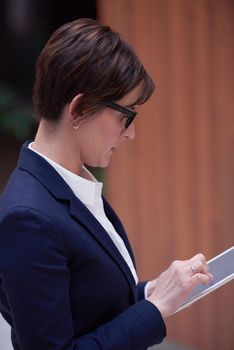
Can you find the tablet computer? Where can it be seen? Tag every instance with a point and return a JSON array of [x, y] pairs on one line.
[[222, 268]]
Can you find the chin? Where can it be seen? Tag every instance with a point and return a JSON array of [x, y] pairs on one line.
[[103, 164], [99, 164]]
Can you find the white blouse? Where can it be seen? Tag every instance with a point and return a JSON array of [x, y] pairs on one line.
[[89, 193]]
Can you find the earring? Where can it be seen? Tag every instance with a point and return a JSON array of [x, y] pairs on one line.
[[76, 126]]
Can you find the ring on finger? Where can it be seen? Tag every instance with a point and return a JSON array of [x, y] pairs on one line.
[[193, 269]]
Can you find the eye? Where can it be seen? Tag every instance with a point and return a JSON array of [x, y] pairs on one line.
[[122, 117]]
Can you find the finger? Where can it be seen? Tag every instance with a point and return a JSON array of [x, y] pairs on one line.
[[199, 278], [199, 257], [199, 263], [211, 276], [199, 266]]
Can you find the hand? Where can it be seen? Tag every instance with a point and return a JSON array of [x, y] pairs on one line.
[[173, 286]]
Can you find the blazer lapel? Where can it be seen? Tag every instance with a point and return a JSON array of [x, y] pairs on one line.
[[83, 215], [49, 177], [110, 213]]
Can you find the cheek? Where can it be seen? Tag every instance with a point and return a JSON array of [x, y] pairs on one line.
[[109, 136], [102, 133], [114, 129]]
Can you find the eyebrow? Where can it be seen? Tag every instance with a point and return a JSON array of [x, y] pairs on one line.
[[130, 106]]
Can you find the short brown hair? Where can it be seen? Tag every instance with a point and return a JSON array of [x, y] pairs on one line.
[[87, 57]]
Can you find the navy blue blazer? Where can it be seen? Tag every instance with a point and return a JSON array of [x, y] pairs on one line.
[[63, 283]]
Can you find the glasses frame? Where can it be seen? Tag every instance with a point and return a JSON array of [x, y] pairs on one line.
[[127, 113]]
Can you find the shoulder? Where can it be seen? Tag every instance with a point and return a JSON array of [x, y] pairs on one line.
[[27, 212], [25, 196]]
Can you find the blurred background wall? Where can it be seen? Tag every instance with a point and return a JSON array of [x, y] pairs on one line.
[[173, 185]]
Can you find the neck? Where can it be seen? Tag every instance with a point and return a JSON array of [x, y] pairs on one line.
[[55, 143]]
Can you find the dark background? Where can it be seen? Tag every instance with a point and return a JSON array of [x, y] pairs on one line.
[[25, 30], [25, 27]]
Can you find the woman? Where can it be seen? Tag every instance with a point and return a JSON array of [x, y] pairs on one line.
[[67, 272]]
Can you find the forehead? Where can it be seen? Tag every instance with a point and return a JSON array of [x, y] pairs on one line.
[[129, 99]]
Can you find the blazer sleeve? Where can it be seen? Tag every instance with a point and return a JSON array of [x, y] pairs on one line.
[[141, 290], [36, 279]]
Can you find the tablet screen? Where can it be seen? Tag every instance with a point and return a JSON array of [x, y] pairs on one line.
[[222, 267]]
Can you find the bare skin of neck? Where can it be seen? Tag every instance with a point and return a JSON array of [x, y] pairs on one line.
[[56, 142]]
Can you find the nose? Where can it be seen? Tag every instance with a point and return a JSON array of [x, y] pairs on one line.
[[129, 133]]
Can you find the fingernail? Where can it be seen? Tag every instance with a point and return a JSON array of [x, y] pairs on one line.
[[211, 276]]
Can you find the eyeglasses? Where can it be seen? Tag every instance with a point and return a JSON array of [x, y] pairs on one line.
[[127, 113]]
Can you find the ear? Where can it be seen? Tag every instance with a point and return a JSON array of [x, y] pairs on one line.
[[74, 117]]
